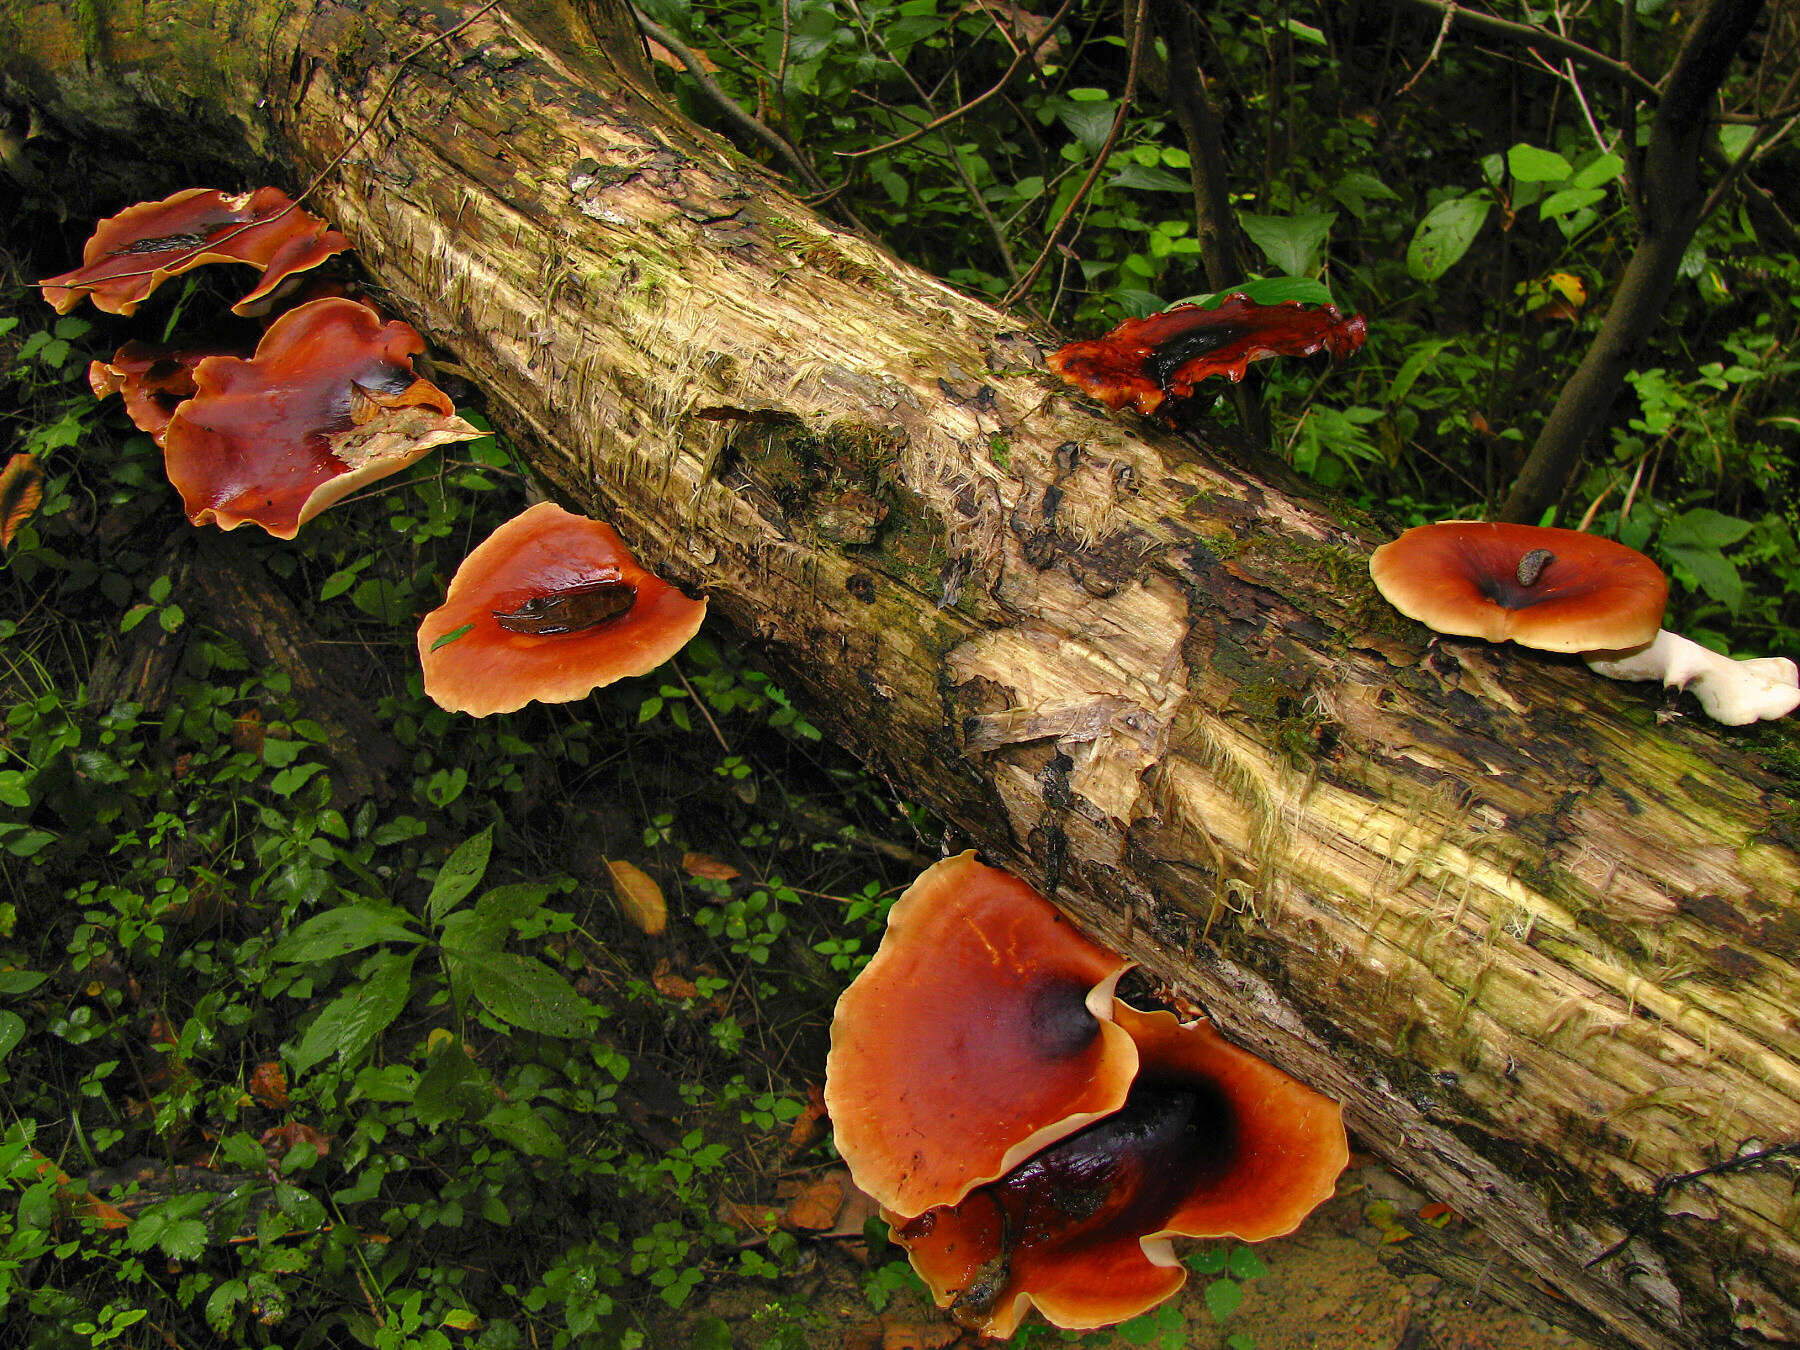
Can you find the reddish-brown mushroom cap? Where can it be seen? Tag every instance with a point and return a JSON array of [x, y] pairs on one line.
[[1144, 362], [981, 1032], [129, 255], [1556, 590], [154, 380], [328, 403], [1212, 1142], [542, 562]]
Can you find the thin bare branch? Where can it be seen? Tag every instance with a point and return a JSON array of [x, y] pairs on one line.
[[1087, 184], [1018, 61], [1520, 34]]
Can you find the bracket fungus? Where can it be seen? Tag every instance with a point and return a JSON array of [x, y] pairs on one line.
[[981, 1032], [1731, 692], [153, 379], [1211, 1142], [1556, 590], [129, 255], [550, 606], [1145, 362], [328, 403]]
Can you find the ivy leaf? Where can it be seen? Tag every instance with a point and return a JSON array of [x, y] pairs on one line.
[[1223, 1297]]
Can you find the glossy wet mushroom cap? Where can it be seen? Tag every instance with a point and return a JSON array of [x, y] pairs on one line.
[[980, 1032], [1145, 363], [550, 607], [154, 379], [1556, 590], [328, 403], [1211, 1142], [129, 255]]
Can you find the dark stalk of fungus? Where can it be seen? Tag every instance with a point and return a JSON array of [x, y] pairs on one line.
[[570, 611]]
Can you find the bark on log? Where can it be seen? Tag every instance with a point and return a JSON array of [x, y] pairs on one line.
[[1542, 945]]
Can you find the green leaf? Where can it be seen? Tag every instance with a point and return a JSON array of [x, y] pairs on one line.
[[20, 981], [1735, 139], [1223, 1297], [1444, 235], [12, 1031], [1529, 164], [449, 637], [1089, 123], [1599, 172], [1268, 291], [1357, 190], [1703, 527], [1294, 244], [1207, 1261], [524, 1129], [291, 780], [1150, 180], [338, 932], [1568, 201], [357, 1017], [1715, 574], [452, 1086], [1245, 1264], [490, 921], [521, 991], [461, 873], [1414, 366]]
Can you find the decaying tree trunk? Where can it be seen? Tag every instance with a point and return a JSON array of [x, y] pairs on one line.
[[1543, 946]]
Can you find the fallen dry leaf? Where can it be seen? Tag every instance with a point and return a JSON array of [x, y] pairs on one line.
[[670, 985], [808, 1126], [707, 868], [269, 1085], [278, 1140], [21, 490], [640, 898], [817, 1206]]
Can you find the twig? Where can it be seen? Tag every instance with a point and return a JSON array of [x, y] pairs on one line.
[[1538, 40], [1743, 1162], [1025, 55], [726, 104], [700, 703], [1131, 78], [1431, 56]]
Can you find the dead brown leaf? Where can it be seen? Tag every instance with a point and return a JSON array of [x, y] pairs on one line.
[[808, 1126], [707, 868], [269, 1085], [670, 985], [640, 898], [21, 490], [278, 1140], [817, 1206]]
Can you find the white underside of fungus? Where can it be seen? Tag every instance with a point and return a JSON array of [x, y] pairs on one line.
[[1732, 692]]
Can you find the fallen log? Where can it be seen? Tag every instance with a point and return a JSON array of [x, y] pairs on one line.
[[1542, 943]]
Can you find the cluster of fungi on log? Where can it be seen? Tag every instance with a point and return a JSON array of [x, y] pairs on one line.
[[327, 402], [550, 606], [129, 255], [1566, 591], [553, 605], [1033, 1140], [1153, 363]]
